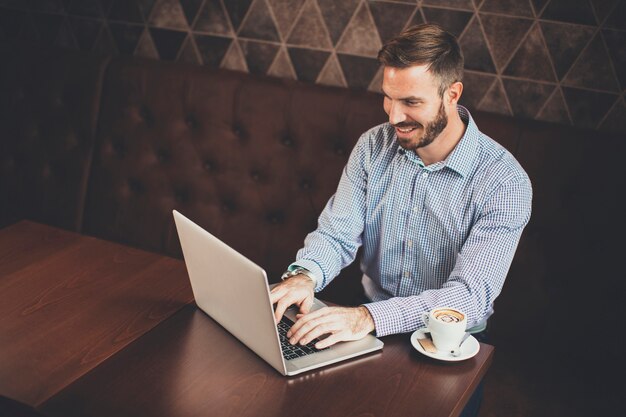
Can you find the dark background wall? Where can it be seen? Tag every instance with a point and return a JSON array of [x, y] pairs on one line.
[[555, 60]]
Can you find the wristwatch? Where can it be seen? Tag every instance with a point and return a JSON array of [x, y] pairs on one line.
[[298, 271]]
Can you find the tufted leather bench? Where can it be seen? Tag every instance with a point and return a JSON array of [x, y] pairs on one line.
[[49, 104], [109, 148], [252, 160]]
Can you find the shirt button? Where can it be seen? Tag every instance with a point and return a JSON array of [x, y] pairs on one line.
[[416, 209], [406, 274], [409, 243], [425, 174]]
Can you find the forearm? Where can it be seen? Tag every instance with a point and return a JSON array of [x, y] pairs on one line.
[[404, 314], [325, 256]]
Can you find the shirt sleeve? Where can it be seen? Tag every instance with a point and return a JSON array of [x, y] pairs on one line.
[[480, 268], [334, 244]]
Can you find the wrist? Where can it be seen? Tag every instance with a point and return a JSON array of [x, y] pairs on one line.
[[368, 321], [299, 271]]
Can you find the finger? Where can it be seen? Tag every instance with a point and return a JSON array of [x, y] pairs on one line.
[[306, 305], [277, 293], [319, 331], [310, 330], [301, 320], [329, 341], [282, 306]]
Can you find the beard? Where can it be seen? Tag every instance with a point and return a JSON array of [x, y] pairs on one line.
[[431, 131]]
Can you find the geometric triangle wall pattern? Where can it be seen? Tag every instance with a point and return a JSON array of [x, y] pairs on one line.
[[556, 60]]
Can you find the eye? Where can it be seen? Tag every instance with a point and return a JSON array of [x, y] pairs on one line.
[[412, 103]]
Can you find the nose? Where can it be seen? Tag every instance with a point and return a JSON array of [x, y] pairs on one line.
[[396, 115]]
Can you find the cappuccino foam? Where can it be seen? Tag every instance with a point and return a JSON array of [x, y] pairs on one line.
[[449, 316]]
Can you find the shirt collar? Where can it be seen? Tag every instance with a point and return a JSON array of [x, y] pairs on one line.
[[461, 159]]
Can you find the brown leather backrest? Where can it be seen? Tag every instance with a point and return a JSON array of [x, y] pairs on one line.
[[48, 108], [251, 160], [254, 161]]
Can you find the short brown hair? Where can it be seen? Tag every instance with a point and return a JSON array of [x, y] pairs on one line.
[[426, 44]]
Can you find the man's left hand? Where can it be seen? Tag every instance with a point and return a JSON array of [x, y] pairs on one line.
[[340, 323]]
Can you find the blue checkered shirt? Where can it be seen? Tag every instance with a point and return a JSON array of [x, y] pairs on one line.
[[437, 235]]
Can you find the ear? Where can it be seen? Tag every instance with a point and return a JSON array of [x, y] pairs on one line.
[[454, 93]]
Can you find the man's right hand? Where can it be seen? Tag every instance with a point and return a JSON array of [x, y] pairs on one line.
[[296, 290]]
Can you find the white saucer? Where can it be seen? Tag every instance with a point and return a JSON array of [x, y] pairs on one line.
[[469, 348]]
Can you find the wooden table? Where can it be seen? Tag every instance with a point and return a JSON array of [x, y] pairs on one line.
[[69, 302], [87, 299]]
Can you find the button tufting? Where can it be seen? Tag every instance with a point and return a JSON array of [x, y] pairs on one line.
[[275, 217], [208, 166], [119, 148], [191, 122], [146, 115], [305, 184], [256, 176], [162, 156], [339, 150], [228, 206], [287, 141], [238, 130], [181, 196], [135, 186]]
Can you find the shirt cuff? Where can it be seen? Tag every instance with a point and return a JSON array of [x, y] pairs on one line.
[[388, 317], [313, 268]]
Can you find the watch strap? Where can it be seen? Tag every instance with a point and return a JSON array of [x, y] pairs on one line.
[[298, 271]]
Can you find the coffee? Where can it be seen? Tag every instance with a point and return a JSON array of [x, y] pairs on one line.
[[448, 316], [446, 326]]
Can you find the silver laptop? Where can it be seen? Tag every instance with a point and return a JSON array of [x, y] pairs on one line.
[[234, 291]]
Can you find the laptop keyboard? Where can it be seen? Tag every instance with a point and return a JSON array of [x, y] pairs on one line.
[[294, 351]]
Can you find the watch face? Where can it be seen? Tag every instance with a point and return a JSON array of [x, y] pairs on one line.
[[297, 271], [289, 274]]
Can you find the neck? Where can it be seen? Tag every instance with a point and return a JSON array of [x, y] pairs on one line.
[[445, 143]]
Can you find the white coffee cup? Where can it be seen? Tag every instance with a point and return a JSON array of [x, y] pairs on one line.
[[446, 326]]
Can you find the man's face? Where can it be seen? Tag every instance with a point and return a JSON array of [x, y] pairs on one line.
[[414, 106]]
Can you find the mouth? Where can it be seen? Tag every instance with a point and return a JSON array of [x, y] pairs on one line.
[[405, 130]]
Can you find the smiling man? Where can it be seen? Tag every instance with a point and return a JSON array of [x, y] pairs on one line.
[[437, 205]]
